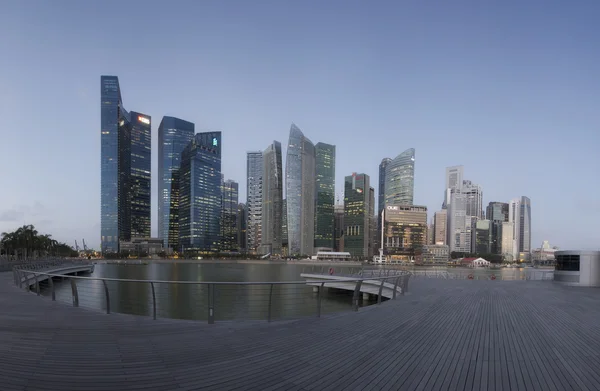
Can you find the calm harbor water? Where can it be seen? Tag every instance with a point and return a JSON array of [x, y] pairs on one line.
[[190, 299]]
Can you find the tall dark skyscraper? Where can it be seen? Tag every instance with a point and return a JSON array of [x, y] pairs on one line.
[[125, 169], [254, 188], [174, 135], [381, 198], [325, 195], [524, 242], [497, 213], [229, 213], [200, 194], [272, 200], [357, 222], [241, 227], [110, 102]]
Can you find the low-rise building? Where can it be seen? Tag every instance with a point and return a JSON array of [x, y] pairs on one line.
[[433, 254], [142, 246]]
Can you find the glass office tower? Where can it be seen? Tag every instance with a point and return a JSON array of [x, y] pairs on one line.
[[110, 100], [272, 196], [300, 193], [200, 194], [399, 179], [325, 196], [356, 215], [254, 188], [174, 135], [125, 169], [229, 213]]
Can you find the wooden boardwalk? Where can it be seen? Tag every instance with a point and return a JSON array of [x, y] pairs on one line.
[[443, 335]]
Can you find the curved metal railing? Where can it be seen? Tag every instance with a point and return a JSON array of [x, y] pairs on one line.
[[212, 301]]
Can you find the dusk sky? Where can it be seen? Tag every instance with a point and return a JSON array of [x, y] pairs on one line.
[[509, 89]]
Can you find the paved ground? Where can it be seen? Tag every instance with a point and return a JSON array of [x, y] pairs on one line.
[[444, 335]]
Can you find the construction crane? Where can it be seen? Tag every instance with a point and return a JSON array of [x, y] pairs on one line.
[[84, 246], [76, 246]]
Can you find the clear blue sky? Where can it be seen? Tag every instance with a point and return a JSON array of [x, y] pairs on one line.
[[510, 90]]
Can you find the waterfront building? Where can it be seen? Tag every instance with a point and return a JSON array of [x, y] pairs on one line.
[[404, 231], [272, 199], [520, 214], [508, 243], [381, 197], [174, 135], [229, 214], [373, 243], [433, 254], [578, 268], [459, 231], [325, 196], [241, 227], [440, 225], [483, 237], [454, 181], [200, 194], [125, 169], [497, 213], [400, 178], [300, 193], [431, 233], [284, 231], [254, 173], [142, 247], [356, 215], [339, 228], [474, 199], [544, 254]]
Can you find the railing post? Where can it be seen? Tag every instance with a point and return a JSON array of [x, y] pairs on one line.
[[75, 293], [405, 279], [107, 297], [153, 301], [211, 304], [380, 291], [396, 286], [37, 284], [319, 297], [356, 295], [51, 282], [270, 302]]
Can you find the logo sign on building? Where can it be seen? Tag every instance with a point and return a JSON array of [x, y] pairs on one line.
[[144, 120], [392, 208], [215, 142]]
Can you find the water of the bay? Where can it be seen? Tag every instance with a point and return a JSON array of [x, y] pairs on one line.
[[190, 299]]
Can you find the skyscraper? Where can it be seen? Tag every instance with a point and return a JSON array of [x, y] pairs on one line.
[[381, 197], [372, 224], [356, 215], [229, 214], [254, 188], [174, 135], [525, 225], [474, 199], [454, 181], [272, 200], [483, 237], [440, 226], [400, 178], [339, 227], [325, 195], [404, 231], [125, 169], [497, 213], [110, 103], [459, 231], [300, 193], [514, 216], [200, 194], [241, 227]]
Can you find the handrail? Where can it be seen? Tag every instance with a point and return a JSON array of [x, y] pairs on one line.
[[210, 295]]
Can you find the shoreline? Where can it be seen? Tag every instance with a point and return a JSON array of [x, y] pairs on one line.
[[303, 262]]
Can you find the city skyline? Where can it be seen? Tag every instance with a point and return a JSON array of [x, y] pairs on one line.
[[368, 101]]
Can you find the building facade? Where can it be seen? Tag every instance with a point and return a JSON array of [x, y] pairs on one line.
[[381, 196], [434, 254], [483, 237], [356, 215], [439, 226], [459, 231], [200, 194], [174, 135], [300, 193], [404, 231], [325, 196], [508, 243], [497, 213], [474, 199], [125, 165], [241, 227], [339, 228], [454, 181], [229, 215], [272, 209], [525, 225], [254, 188], [400, 178]]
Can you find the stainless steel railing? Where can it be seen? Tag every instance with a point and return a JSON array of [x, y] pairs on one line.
[[216, 300]]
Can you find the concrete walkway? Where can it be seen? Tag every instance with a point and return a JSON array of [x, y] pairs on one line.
[[443, 335]]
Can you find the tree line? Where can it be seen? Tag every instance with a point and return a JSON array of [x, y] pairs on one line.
[[27, 243]]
